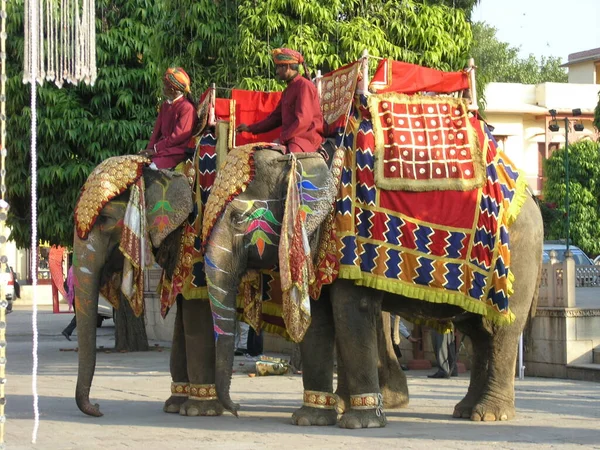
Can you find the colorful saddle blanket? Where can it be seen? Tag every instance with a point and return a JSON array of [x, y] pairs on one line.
[[438, 246], [108, 180]]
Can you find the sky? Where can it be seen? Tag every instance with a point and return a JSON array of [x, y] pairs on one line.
[[543, 27]]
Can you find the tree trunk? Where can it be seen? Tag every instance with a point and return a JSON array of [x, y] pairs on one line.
[[130, 331]]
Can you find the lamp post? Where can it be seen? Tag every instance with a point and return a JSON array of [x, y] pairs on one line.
[[554, 127]]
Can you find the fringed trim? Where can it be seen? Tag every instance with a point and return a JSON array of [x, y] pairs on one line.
[[427, 294], [321, 400], [203, 392], [513, 210], [180, 389]]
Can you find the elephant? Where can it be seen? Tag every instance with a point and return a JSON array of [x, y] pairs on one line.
[[348, 317], [97, 254]]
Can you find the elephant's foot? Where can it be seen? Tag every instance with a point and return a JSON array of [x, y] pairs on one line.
[[201, 408], [307, 416], [363, 418], [173, 404], [487, 409]]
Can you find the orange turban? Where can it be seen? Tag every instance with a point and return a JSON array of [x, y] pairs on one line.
[[177, 79], [287, 56]]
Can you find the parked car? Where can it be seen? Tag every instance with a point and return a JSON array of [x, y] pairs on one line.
[[586, 277], [581, 259]]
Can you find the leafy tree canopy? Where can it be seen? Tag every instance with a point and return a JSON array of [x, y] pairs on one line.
[[584, 195], [78, 126], [466, 5], [230, 43]]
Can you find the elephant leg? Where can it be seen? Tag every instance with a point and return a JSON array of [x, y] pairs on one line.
[[317, 368], [178, 366], [480, 342], [491, 394], [200, 357], [392, 380], [356, 312]]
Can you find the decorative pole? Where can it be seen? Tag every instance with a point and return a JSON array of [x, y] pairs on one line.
[[3, 211], [60, 45], [567, 205]]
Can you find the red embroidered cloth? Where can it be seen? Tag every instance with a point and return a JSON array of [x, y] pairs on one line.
[[252, 107], [396, 76], [424, 143]]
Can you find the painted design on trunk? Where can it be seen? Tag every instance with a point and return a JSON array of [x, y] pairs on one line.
[[214, 292]]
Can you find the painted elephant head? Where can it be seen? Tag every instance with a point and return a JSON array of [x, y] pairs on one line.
[[243, 232], [97, 251]]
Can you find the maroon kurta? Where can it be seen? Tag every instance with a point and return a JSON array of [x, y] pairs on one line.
[[299, 115], [172, 133]]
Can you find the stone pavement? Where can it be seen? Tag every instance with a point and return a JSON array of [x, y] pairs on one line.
[[131, 388]]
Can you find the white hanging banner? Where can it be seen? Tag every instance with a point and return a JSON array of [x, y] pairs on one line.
[[66, 41]]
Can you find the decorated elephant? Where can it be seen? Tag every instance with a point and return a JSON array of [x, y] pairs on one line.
[[107, 225], [475, 242], [118, 193]]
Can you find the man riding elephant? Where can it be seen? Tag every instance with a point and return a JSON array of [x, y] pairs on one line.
[[299, 111], [175, 124]]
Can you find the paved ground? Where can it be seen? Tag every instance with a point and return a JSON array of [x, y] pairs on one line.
[[131, 389]]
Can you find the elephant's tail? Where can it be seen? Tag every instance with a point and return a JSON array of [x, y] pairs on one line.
[[536, 293]]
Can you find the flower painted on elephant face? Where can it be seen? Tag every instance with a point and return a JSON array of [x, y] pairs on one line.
[[262, 213], [161, 222], [162, 204], [259, 224], [304, 211], [307, 185], [260, 239]]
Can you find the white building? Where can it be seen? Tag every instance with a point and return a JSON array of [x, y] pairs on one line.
[[520, 115]]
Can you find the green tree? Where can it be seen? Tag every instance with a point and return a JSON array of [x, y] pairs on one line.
[[229, 43], [584, 195], [466, 5], [497, 61], [78, 126]]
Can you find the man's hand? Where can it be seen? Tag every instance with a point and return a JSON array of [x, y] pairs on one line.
[[412, 339], [242, 127]]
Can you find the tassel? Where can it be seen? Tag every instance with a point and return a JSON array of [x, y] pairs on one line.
[[66, 47]]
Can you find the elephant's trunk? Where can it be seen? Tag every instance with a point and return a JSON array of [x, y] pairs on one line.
[[222, 290], [87, 279]]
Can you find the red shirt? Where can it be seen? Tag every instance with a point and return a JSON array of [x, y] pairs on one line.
[[299, 115], [173, 132]]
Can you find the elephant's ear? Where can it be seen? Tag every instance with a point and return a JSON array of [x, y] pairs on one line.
[[168, 202]]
